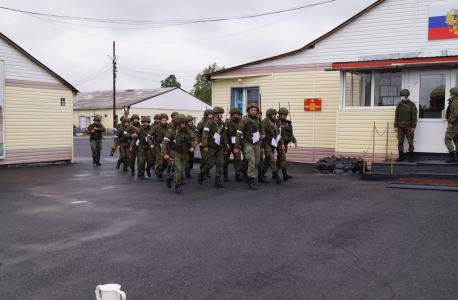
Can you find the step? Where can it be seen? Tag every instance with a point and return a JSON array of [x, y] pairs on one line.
[[373, 176], [425, 184], [435, 166], [423, 187]]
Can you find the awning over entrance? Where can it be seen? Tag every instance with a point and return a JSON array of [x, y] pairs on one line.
[[429, 62]]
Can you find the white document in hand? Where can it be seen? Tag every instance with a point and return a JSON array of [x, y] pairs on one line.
[[274, 142], [233, 139], [256, 137], [217, 138]]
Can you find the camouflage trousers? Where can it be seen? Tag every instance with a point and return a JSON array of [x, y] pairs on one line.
[[269, 152], [451, 138], [238, 165], [96, 147], [124, 154], [178, 163], [204, 158], [281, 158], [144, 156], [215, 156], [161, 163], [252, 152], [189, 163], [402, 134], [132, 156]]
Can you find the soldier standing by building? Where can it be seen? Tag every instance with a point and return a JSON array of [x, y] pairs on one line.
[[144, 152], [215, 145], [208, 114], [405, 121], [288, 137], [155, 138], [252, 133], [122, 141], [132, 130], [175, 146], [192, 132], [95, 130], [272, 142], [451, 135], [231, 133]]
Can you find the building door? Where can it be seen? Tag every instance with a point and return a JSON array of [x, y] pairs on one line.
[[432, 90]]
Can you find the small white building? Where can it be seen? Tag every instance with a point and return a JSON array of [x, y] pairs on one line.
[[145, 102]]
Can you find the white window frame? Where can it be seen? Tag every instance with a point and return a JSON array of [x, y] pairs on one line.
[[244, 94], [2, 112], [343, 93]]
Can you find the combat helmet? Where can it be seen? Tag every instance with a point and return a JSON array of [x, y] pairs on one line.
[[135, 116], [271, 111], [174, 114], [283, 111], [218, 110], [454, 91], [252, 105], [179, 119], [157, 116], [235, 110], [97, 118], [124, 120], [146, 119], [164, 115], [404, 92], [189, 118], [208, 112]]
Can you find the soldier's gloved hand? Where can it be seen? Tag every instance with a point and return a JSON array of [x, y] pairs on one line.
[[295, 145], [236, 151], [117, 147], [166, 157], [191, 150], [206, 150], [395, 130], [152, 147]]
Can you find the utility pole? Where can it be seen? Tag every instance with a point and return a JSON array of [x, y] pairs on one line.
[[115, 117]]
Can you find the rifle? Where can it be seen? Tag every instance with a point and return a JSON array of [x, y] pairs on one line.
[[114, 149], [289, 107]]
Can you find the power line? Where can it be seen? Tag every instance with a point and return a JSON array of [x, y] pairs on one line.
[[154, 74], [90, 76], [93, 78], [149, 68]]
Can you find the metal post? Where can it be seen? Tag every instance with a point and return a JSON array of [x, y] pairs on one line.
[[115, 119], [373, 144], [387, 128], [391, 162], [364, 162]]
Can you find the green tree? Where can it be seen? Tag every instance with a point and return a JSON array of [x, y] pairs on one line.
[[170, 81], [203, 89]]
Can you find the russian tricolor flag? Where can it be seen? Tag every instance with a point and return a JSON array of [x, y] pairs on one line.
[[443, 20]]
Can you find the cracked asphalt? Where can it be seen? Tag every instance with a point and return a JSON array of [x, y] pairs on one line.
[[64, 229]]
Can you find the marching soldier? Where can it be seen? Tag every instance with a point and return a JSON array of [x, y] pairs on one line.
[[155, 138], [132, 130], [144, 152], [192, 132], [252, 133], [95, 130], [157, 119], [272, 142], [122, 141], [170, 125], [288, 137], [451, 135], [175, 146], [208, 114], [261, 157], [231, 133], [405, 121], [215, 145]]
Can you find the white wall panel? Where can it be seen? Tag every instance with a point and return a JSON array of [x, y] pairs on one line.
[[174, 100]]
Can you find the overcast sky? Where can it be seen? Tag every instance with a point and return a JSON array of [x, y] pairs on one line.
[[76, 52]]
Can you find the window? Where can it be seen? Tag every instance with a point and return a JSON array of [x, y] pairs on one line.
[[252, 96], [242, 97], [62, 101], [372, 88]]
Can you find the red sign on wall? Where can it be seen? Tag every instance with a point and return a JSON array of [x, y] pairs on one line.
[[312, 104]]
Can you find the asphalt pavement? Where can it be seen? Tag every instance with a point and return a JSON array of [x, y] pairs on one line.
[[64, 229]]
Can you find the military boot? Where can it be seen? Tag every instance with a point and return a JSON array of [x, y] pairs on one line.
[[200, 178], [278, 180], [160, 178], [97, 162], [148, 172], [124, 169], [218, 182], [410, 156], [153, 167], [168, 181], [252, 184], [182, 180], [238, 178], [401, 157], [188, 175], [118, 165], [208, 175], [245, 174], [285, 175], [261, 177], [141, 176], [132, 171], [178, 189], [454, 158], [94, 160], [225, 178], [169, 168]]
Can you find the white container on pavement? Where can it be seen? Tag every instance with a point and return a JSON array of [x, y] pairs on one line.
[[111, 291]]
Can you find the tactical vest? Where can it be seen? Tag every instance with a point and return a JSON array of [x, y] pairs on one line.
[[221, 131], [286, 131], [181, 143], [405, 112], [142, 136], [272, 130], [447, 114], [160, 134], [252, 126], [96, 135], [123, 138], [232, 127]]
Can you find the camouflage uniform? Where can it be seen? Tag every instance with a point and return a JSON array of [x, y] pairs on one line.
[[451, 136], [144, 152], [273, 136], [216, 149], [199, 130], [405, 119], [288, 137], [156, 136], [132, 130], [231, 134], [123, 139], [96, 140], [192, 133]]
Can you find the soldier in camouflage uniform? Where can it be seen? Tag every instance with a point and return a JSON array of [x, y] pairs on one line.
[[261, 158], [451, 135], [288, 137], [157, 121], [176, 145], [405, 121], [192, 133], [155, 138], [252, 133], [122, 141], [95, 130], [231, 133], [272, 142], [170, 125], [208, 114], [144, 152], [132, 131], [215, 144]]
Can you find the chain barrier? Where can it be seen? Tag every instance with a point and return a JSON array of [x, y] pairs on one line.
[[372, 142]]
